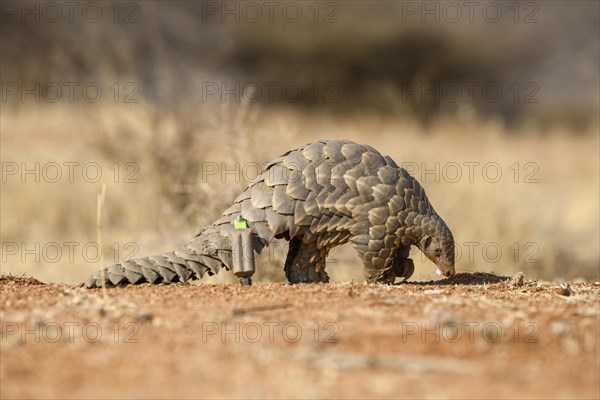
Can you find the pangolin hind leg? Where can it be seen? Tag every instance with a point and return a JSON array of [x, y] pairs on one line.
[[305, 263]]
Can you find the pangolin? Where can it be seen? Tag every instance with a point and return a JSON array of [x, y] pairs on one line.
[[317, 196]]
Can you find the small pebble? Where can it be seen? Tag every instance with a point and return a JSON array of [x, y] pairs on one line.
[[144, 316], [517, 281]]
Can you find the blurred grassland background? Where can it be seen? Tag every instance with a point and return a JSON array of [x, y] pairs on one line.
[[545, 220]]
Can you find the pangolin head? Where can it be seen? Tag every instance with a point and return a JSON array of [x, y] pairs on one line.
[[438, 245]]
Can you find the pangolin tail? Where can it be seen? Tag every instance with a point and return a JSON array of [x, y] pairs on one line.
[[207, 253]]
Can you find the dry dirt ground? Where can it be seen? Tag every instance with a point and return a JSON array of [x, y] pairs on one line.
[[471, 336]]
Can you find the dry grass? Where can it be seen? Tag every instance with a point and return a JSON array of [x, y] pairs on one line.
[[172, 199]]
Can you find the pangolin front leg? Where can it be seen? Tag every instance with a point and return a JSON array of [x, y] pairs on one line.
[[403, 266]]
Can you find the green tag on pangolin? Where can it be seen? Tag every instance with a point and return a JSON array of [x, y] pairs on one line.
[[240, 223]]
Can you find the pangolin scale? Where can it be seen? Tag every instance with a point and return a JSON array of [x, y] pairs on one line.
[[317, 196]]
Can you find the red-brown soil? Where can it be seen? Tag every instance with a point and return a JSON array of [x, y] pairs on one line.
[[471, 336]]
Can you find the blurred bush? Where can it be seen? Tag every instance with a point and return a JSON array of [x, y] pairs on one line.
[[366, 60]]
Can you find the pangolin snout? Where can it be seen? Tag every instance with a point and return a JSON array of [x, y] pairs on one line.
[[449, 272], [445, 270]]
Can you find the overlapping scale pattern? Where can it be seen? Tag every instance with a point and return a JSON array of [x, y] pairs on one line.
[[318, 196]]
